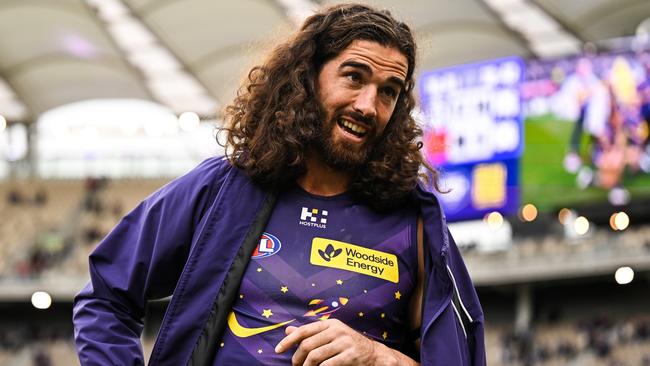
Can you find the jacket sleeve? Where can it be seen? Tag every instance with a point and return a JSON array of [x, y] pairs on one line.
[[466, 301], [140, 259]]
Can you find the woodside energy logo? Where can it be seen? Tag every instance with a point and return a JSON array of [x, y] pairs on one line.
[[354, 258]]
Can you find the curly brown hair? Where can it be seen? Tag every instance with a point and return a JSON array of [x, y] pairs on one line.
[[276, 114]]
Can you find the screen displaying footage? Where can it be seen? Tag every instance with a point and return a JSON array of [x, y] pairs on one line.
[[586, 130], [472, 124], [555, 133]]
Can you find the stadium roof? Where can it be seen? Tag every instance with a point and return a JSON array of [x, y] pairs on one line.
[[191, 54]]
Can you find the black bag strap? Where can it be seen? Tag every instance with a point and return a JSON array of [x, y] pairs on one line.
[[206, 347]]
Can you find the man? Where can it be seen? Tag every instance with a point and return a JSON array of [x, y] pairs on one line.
[[352, 263]]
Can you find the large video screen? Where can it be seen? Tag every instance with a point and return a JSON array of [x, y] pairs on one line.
[[586, 130], [555, 133]]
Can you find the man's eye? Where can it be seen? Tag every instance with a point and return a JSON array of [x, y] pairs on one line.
[[389, 92], [354, 77]]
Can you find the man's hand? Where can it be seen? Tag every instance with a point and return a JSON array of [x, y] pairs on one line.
[[332, 343]]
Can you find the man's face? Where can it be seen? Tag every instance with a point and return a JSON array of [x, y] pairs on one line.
[[357, 91]]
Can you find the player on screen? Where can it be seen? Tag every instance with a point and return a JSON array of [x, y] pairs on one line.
[[592, 101], [609, 115]]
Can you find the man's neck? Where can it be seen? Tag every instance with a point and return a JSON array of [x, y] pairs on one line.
[[323, 180]]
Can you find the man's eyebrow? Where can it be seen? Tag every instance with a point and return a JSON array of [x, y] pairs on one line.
[[360, 65]]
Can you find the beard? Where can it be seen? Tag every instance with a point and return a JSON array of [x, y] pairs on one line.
[[342, 154]]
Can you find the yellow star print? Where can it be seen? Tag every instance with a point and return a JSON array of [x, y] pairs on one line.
[[384, 335], [398, 295], [339, 282], [259, 350], [284, 289], [360, 313], [259, 269], [383, 315], [267, 313]]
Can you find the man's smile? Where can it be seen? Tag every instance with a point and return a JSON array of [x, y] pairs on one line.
[[351, 132], [352, 127]]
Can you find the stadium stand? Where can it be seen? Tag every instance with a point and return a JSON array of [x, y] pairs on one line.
[[33, 215], [103, 206], [554, 257], [598, 341]]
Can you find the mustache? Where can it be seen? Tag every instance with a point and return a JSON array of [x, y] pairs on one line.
[[370, 121]]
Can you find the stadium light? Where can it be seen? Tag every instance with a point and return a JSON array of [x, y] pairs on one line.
[[563, 216], [529, 212], [494, 220], [619, 221], [189, 121], [624, 275], [581, 225], [622, 220], [41, 300]]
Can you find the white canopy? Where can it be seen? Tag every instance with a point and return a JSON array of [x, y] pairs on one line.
[[191, 54]]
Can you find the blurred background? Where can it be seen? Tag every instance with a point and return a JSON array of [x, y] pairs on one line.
[[536, 111]]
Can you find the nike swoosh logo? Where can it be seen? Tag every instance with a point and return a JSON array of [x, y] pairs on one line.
[[243, 332]]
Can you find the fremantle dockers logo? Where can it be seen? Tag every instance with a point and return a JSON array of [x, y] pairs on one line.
[[313, 218], [268, 245]]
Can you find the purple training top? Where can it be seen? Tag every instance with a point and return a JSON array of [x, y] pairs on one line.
[[320, 258]]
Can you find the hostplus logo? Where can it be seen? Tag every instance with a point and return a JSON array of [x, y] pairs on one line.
[[313, 218]]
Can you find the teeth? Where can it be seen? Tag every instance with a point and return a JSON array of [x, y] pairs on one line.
[[353, 127]]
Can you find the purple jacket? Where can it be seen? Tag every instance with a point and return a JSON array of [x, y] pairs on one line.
[[182, 241]]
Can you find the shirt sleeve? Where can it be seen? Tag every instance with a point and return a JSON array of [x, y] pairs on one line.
[[467, 306], [140, 259], [452, 321]]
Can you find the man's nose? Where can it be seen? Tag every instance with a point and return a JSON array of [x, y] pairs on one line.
[[365, 103]]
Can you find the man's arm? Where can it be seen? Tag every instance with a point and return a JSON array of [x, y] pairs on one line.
[[331, 342], [140, 259]]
